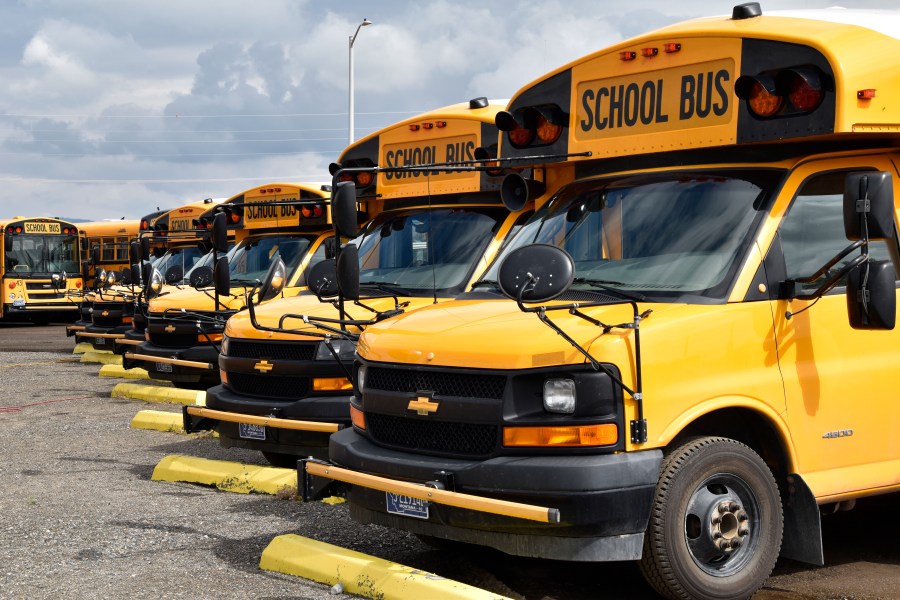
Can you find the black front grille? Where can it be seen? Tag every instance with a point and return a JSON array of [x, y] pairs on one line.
[[464, 385], [458, 439], [37, 287], [174, 340], [272, 350], [270, 386]]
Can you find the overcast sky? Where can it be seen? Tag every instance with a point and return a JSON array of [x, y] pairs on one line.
[[111, 109]]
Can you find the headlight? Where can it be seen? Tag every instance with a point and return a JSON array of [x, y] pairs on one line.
[[110, 277], [225, 345], [559, 396], [345, 349], [361, 378], [156, 283], [102, 276]]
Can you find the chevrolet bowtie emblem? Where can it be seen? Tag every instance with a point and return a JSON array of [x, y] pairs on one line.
[[105, 313], [423, 406], [170, 328], [263, 366]]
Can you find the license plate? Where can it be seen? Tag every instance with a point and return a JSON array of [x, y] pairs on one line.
[[18, 303], [163, 368], [100, 341], [406, 506], [252, 432]]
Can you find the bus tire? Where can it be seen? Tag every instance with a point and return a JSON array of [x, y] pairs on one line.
[[716, 524]]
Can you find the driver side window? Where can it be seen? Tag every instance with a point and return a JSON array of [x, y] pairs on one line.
[[812, 232]]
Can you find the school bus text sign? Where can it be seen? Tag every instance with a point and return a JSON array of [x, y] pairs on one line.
[[267, 212], [439, 150], [31, 227], [687, 97]]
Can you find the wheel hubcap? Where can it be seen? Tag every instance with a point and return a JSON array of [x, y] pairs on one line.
[[722, 515]]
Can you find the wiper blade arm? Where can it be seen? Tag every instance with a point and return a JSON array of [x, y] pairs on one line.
[[604, 284]]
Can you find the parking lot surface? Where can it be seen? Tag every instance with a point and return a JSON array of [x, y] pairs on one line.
[[81, 518]]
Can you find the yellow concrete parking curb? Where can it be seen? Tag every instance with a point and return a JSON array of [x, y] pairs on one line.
[[159, 393], [226, 475], [101, 356], [360, 573], [158, 420], [162, 420], [119, 371], [82, 347]]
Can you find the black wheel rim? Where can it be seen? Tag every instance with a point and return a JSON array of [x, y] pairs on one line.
[[721, 524]]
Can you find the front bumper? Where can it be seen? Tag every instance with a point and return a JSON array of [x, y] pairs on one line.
[[102, 338], [604, 501], [203, 369], [333, 411]]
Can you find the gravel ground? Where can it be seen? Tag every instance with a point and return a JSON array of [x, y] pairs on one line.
[[80, 517]]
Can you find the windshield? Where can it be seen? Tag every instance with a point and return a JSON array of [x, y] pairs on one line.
[[423, 250], [35, 254], [250, 260], [671, 235], [184, 258]]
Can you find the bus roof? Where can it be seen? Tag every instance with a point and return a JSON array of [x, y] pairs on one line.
[[258, 207], [4, 221], [445, 135], [689, 85]]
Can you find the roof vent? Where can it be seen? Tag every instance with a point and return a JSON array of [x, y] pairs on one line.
[[480, 102], [746, 11]]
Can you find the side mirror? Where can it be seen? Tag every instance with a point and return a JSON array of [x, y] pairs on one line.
[[274, 281], [95, 254], [204, 246], [536, 273], [145, 248], [218, 237], [516, 191], [348, 271], [125, 276], [869, 206], [222, 277], [85, 269], [174, 274], [135, 273], [343, 210], [134, 252], [322, 279], [146, 273], [202, 277], [872, 295]]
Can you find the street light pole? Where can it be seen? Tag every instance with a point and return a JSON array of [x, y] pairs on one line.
[[364, 23]]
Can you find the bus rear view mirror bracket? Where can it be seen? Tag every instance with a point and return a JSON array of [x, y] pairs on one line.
[[537, 273], [868, 210]]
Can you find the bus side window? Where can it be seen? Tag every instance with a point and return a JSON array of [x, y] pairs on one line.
[[812, 231]]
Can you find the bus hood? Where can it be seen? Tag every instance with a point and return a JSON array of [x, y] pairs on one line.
[[495, 334], [190, 299], [270, 313]]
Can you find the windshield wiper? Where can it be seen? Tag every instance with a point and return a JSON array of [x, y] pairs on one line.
[[604, 284], [385, 286], [484, 283]]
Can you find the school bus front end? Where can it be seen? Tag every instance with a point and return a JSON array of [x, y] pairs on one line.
[[40, 269], [185, 328], [429, 236], [669, 364]]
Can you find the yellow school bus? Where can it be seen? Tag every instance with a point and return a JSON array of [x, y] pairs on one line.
[[432, 233], [184, 327], [690, 350], [111, 237], [40, 265], [114, 303]]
